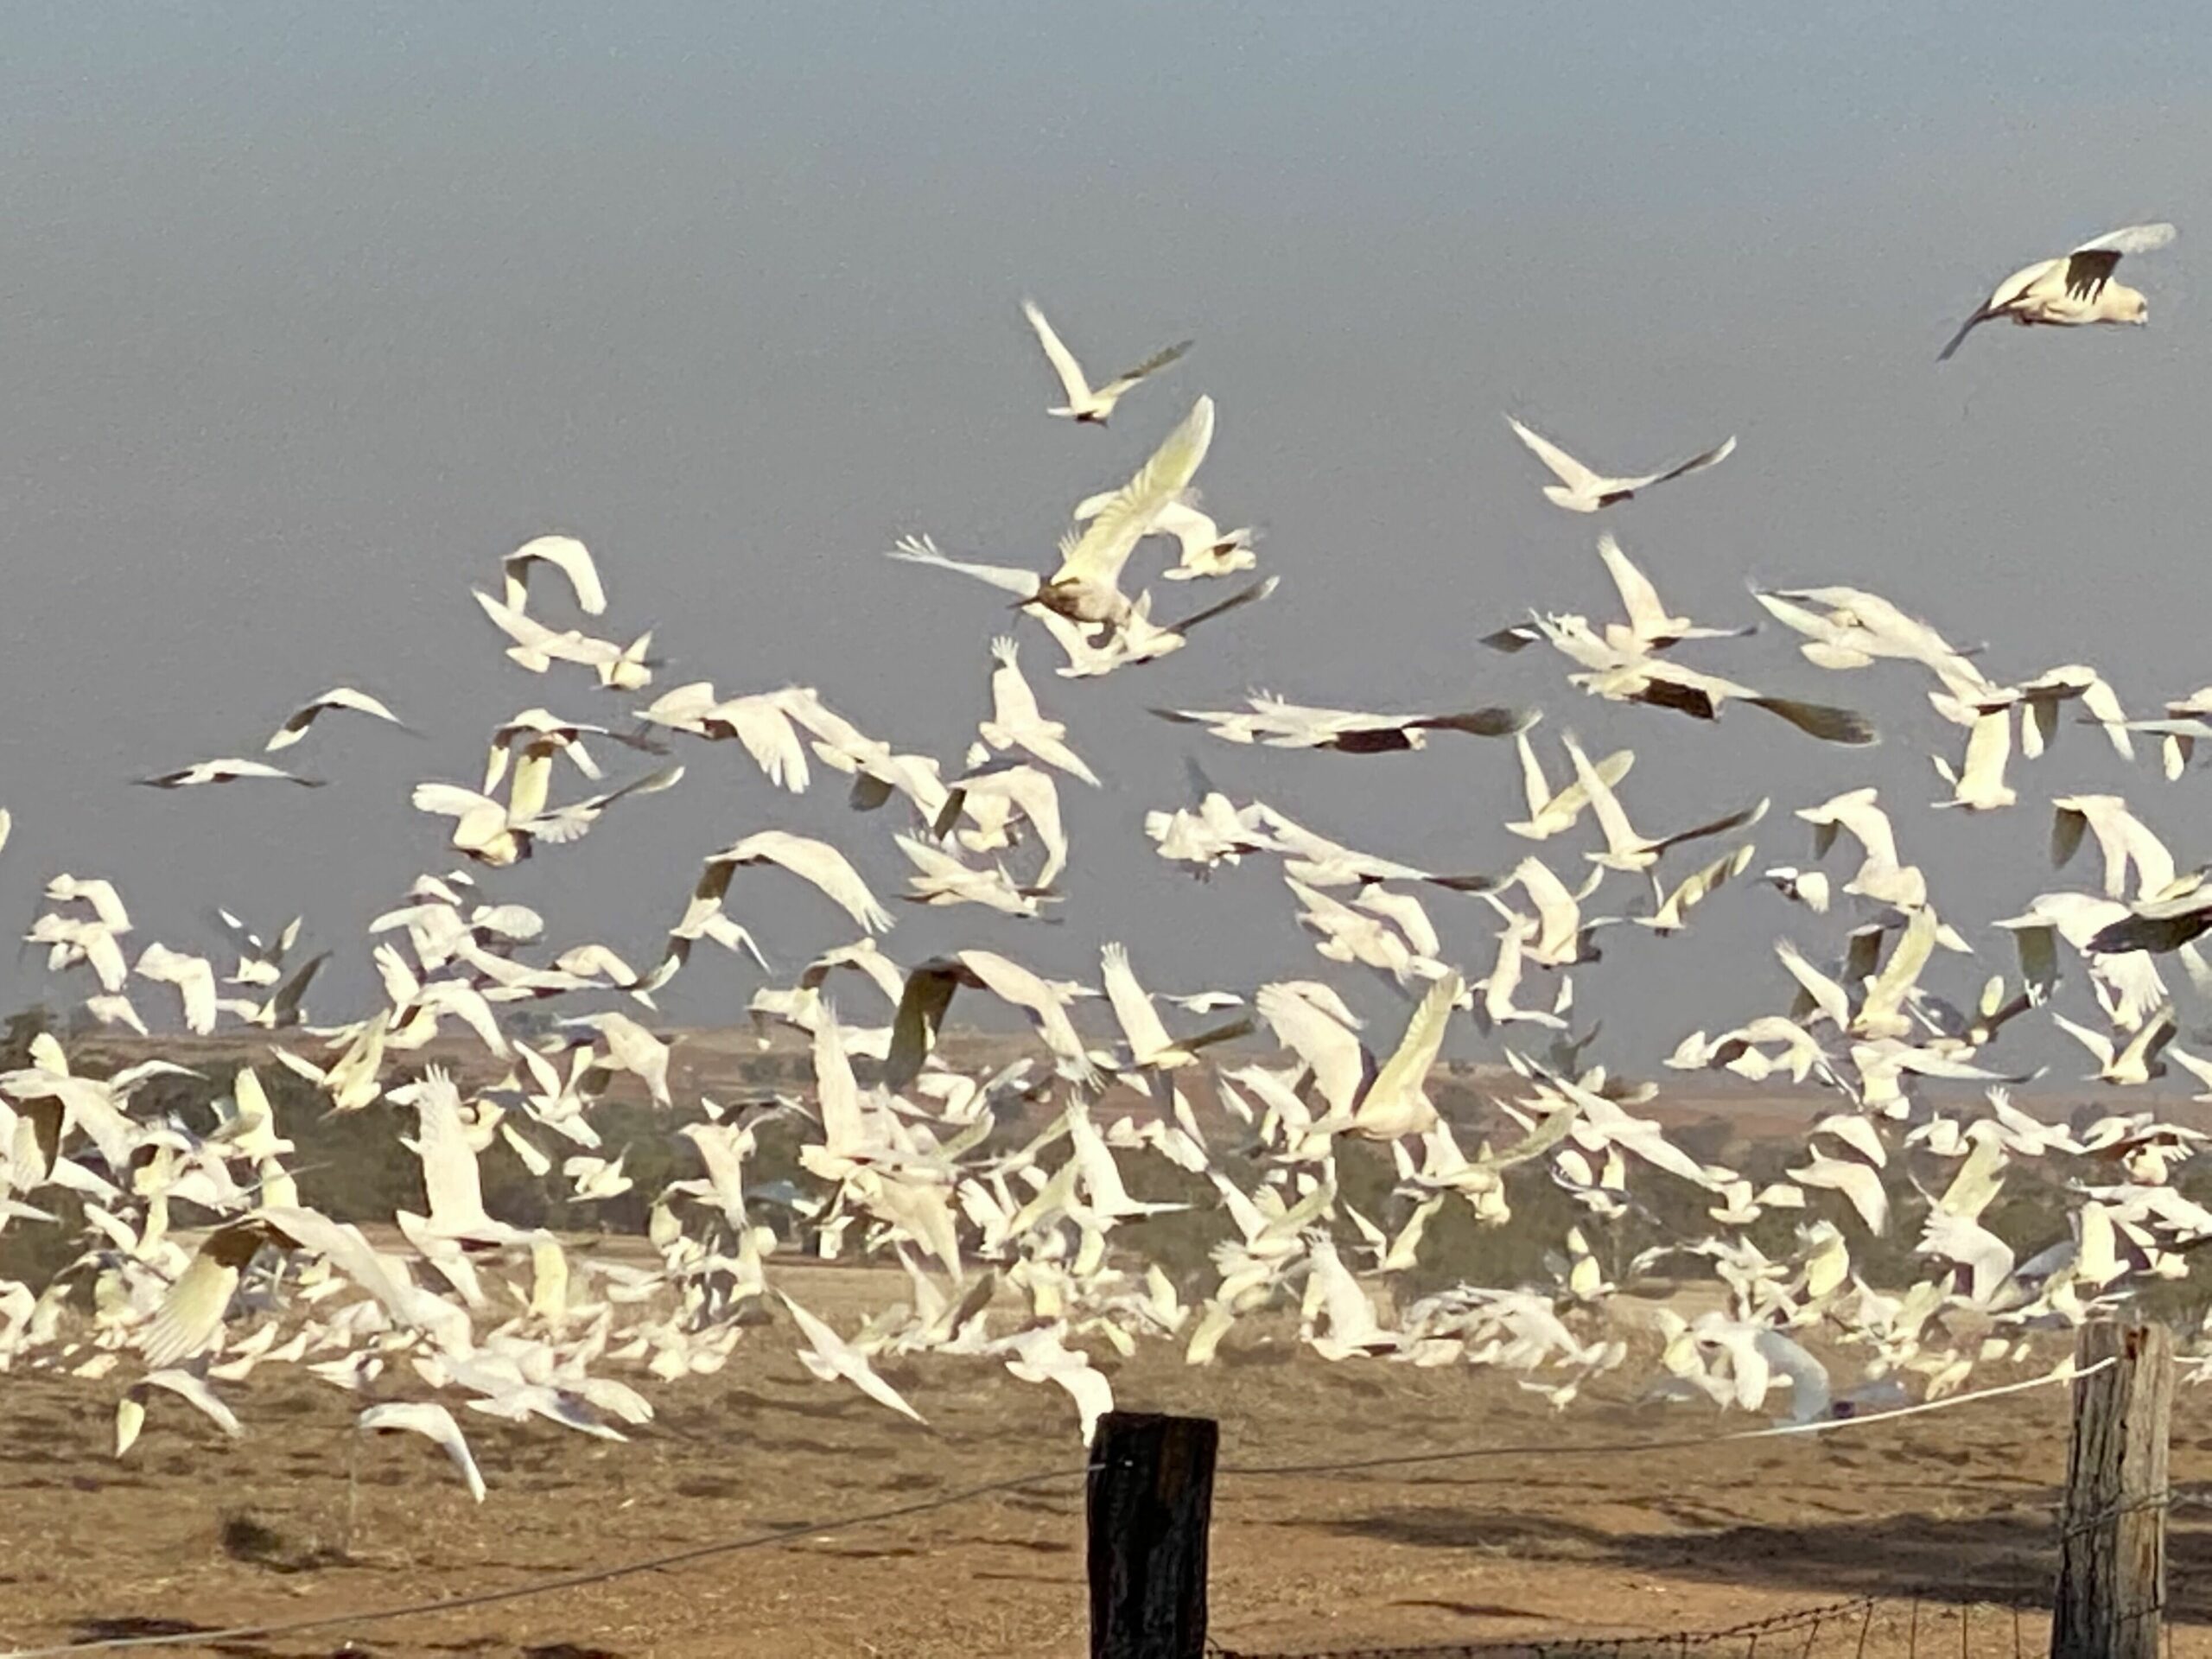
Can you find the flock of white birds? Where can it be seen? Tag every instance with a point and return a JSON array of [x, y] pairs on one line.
[[200, 1262]]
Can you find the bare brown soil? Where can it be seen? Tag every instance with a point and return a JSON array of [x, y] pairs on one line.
[[192, 1528]]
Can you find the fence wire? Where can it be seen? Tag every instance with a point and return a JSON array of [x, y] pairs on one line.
[[1621, 1647], [2067, 1373], [1849, 1621], [544, 1587], [1837, 1615]]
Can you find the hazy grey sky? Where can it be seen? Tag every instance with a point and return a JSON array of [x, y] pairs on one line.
[[312, 313]]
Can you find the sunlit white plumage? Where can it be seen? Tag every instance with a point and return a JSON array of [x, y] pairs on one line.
[[1203, 548], [1017, 722], [339, 696], [1086, 588], [227, 771], [1086, 403], [814, 862], [831, 1357], [2074, 289], [1580, 489], [562, 553], [436, 1424]]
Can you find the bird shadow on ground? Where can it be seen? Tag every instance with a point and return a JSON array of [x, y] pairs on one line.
[[1469, 1609], [246, 1538], [739, 1402], [130, 1628], [2010, 1558]]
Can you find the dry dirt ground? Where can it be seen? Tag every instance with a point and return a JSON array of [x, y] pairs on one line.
[[192, 1529]]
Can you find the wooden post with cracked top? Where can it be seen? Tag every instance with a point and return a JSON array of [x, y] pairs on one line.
[[2111, 1549]]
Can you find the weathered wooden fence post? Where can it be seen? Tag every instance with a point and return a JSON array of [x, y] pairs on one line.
[[1150, 1501], [2112, 1552]]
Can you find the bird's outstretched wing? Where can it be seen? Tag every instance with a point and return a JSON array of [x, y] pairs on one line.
[[1062, 360], [1244, 596], [1565, 468], [1482, 723], [920, 550], [567, 555], [1820, 719], [928, 994], [1737, 820], [1646, 616], [1518, 637], [1159, 361], [1712, 457], [1409, 1063], [1104, 547], [2089, 267]]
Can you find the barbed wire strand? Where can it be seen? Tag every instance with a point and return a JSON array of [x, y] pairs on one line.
[[565, 1581], [2096, 1519], [1682, 1641], [1807, 1618], [1672, 1443]]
